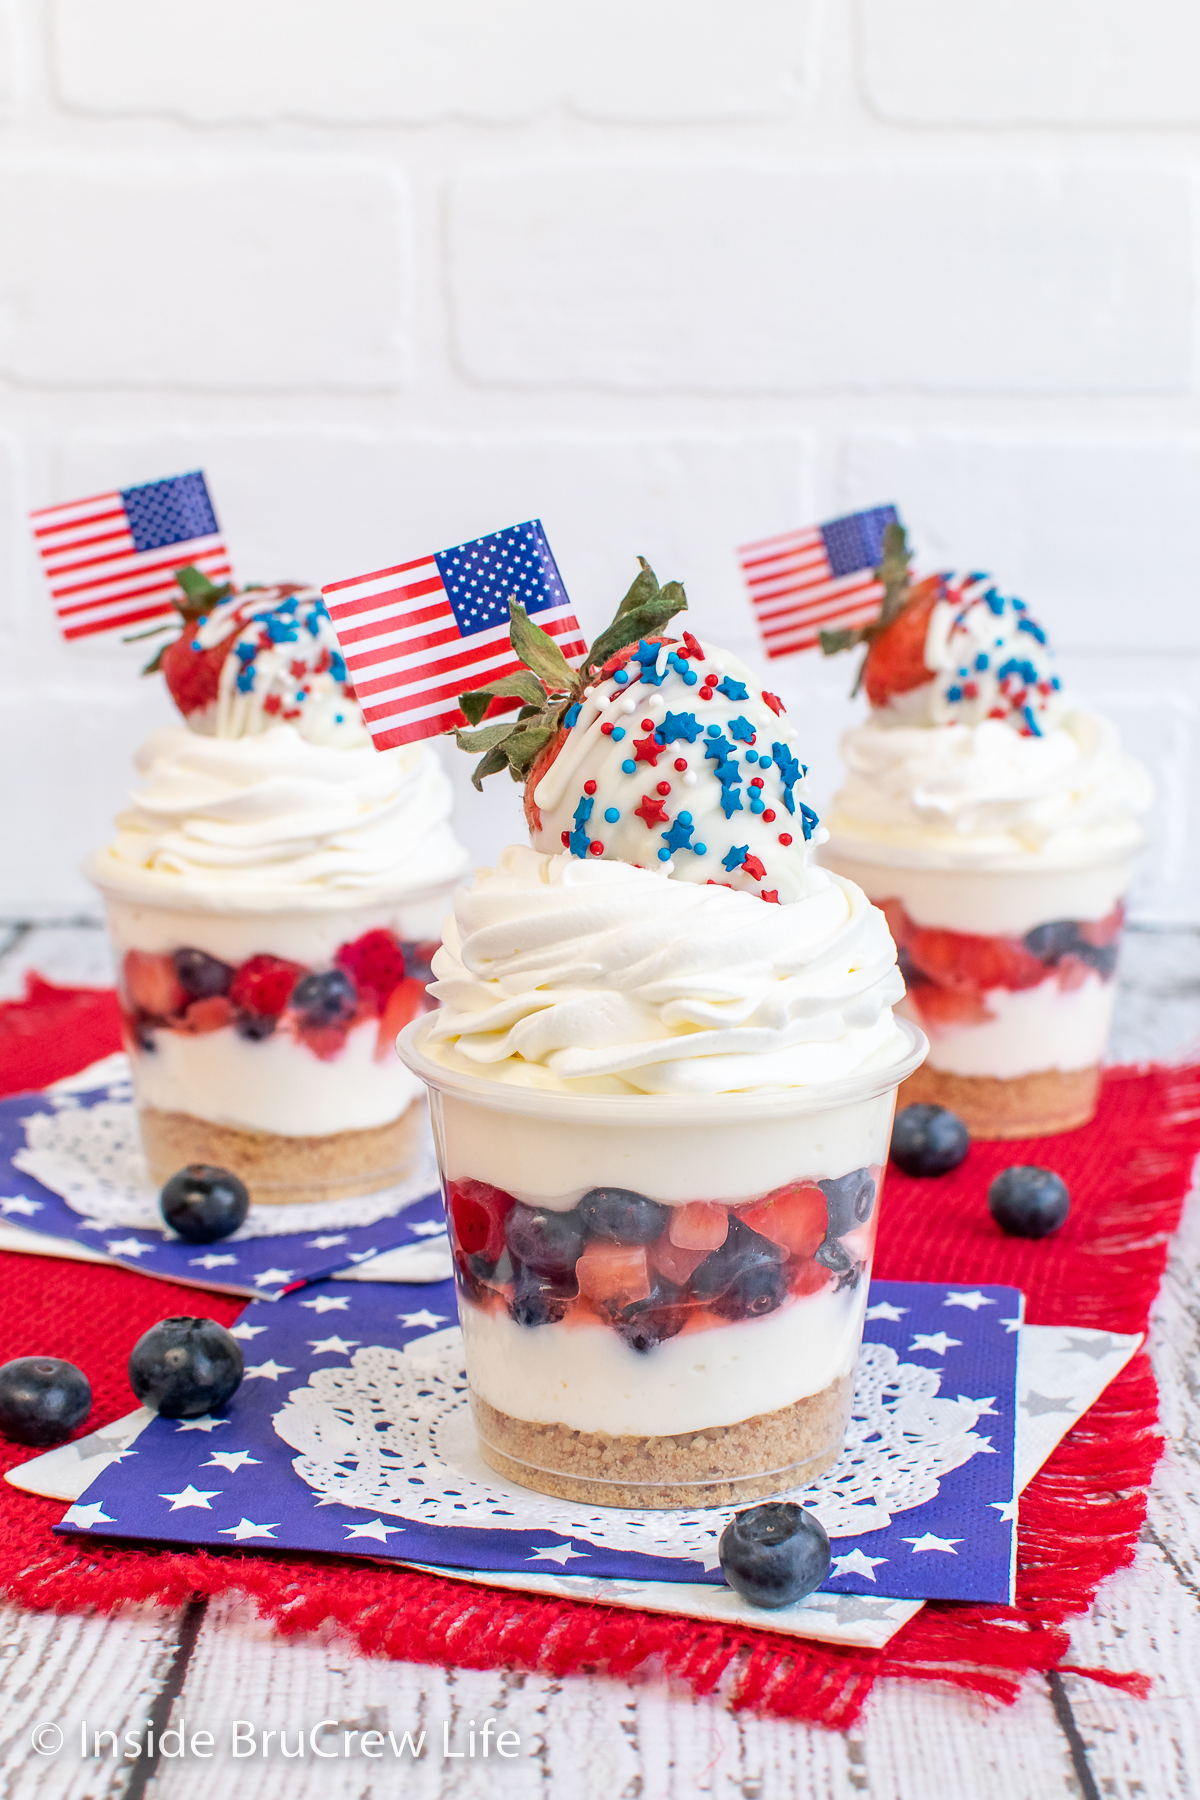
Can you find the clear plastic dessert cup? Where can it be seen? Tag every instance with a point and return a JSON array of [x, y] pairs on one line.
[[262, 1040], [661, 1297], [1011, 973]]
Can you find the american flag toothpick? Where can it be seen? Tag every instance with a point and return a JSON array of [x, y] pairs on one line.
[[111, 559], [417, 635], [819, 579]]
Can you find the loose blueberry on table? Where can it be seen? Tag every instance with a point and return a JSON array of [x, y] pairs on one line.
[[42, 1399], [648, 1270], [1029, 1202], [183, 1368], [928, 1140], [774, 1554], [203, 1203], [192, 993]]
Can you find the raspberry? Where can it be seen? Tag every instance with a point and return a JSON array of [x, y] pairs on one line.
[[477, 1214], [263, 985], [376, 962]]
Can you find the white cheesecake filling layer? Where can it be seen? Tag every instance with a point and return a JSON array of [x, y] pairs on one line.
[[276, 1084], [584, 1377], [554, 1162], [1046, 1027]]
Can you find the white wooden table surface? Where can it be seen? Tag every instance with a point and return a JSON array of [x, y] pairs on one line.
[[581, 1736]]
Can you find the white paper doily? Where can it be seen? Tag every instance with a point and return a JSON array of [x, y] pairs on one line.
[[92, 1157], [391, 1431]]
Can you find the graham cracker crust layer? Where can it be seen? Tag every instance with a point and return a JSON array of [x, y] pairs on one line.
[[282, 1171], [719, 1466], [1036, 1105]]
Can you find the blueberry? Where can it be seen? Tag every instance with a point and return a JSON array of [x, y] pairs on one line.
[[201, 975], [540, 1299], [850, 1200], [182, 1368], [1049, 942], [1101, 957], [774, 1554], [622, 1216], [481, 1273], [254, 1026], [745, 1277], [547, 1241], [326, 999], [644, 1324], [203, 1203], [928, 1140], [42, 1399], [1029, 1202]]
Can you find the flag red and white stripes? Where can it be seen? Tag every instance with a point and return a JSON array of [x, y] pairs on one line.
[[818, 579], [111, 559]]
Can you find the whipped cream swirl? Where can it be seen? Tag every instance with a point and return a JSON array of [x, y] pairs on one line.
[[985, 795], [600, 977], [275, 819]]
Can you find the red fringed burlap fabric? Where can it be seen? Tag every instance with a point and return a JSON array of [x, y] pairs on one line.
[[1080, 1517]]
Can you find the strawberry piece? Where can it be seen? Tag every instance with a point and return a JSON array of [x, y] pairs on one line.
[[1071, 972], [263, 985], [1099, 932], [700, 1225], [677, 1265], [810, 1277], [896, 659], [942, 1006], [898, 921], [614, 1273], [477, 1213], [208, 1015], [153, 985], [376, 963], [404, 1003], [325, 1041], [194, 676], [955, 959], [794, 1216]]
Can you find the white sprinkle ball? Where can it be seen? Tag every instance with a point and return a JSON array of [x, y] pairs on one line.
[[689, 780]]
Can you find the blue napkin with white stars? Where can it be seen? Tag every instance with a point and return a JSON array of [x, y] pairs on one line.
[[264, 1267], [351, 1434]]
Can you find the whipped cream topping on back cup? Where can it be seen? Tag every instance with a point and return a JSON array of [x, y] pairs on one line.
[[972, 755], [593, 976], [276, 820]]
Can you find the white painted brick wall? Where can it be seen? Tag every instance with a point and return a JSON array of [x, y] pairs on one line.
[[729, 277], [670, 273]]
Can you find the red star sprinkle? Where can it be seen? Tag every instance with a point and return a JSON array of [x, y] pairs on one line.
[[691, 648], [298, 670], [646, 750], [771, 894], [272, 703], [774, 702], [652, 811], [754, 868]]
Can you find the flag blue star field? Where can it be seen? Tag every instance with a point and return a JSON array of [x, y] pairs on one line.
[[819, 579], [258, 1266], [417, 635], [351, 1433], [111, 559]]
